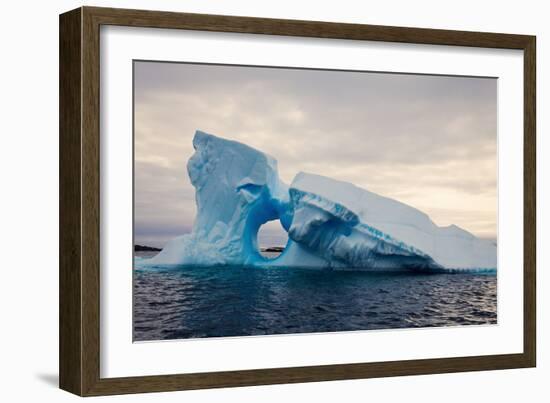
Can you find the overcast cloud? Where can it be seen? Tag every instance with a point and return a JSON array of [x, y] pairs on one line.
[[428, 141]]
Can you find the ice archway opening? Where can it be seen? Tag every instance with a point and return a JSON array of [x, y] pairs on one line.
[[271, 237], [267, 216]]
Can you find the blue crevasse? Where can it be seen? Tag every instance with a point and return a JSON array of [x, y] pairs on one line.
[[330, 223]]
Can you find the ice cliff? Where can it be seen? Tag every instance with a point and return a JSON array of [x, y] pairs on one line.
[[329, 223]]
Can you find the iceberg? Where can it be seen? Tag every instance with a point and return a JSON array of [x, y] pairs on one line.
[[330, 223]]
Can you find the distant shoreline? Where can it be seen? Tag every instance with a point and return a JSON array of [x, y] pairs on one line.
[[144, 248], [273, 249]]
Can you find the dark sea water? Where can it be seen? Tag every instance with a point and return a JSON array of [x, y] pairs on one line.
[[189, 302]]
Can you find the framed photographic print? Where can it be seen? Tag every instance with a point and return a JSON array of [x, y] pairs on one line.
[[249, 201]]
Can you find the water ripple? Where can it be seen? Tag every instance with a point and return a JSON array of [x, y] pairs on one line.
[[213, 302]]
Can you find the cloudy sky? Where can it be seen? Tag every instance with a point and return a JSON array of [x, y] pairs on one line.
[[428, 141]]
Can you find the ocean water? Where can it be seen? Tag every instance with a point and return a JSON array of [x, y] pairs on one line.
[[191, 302]]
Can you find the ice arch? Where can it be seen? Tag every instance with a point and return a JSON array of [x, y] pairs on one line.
[[330, 223], [263, 208]]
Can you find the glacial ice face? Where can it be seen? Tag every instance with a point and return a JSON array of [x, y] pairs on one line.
[[237, 189], [330, 223], [350, 226]]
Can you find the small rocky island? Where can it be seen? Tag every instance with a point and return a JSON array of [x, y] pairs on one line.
[[279, 249], [143, 248]]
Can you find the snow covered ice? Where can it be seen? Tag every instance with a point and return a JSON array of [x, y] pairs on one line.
[[330, 223]]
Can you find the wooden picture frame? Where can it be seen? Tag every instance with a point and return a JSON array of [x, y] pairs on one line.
[[79, 280]]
